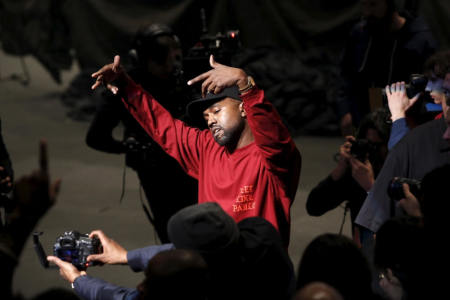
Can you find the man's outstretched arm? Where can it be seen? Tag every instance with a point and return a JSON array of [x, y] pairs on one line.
[[176, 138]]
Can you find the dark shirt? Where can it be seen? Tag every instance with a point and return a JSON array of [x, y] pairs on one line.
[[371, 60], [420, 151], [329, 194], [5, 162]]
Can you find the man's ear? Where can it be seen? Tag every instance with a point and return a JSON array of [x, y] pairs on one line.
[[242, 110]]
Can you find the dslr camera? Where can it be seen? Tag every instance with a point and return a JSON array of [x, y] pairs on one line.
[[362, 149], [395, 188], [71, 247]]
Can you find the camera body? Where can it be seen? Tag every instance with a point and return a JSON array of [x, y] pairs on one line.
[[74, 247], [362, 149], [417, 84], [222, 45], [395, 188]]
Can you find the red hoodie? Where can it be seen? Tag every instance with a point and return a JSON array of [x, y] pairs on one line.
[[260, 179]]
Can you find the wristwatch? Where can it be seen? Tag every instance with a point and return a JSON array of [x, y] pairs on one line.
[[250, 84]]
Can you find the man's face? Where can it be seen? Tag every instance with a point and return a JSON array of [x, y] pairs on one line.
[[226, 120], [374, 9], [172, 63], [376, 13], [446, 106]]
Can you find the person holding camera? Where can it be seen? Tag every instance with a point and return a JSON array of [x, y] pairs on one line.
[[359, 161], [422, 150], [156, 55], [399, 103], [250, 251], [386, 46], [246, 160]]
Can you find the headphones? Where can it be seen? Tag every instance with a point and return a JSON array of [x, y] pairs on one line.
[[145, 44]]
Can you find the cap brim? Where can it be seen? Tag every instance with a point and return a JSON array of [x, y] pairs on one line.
[[197, 107]]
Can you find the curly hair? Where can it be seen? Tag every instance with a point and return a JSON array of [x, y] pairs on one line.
[[438, 64]]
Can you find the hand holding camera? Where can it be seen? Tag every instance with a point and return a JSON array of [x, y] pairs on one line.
[[112, 254], [398, 100], [67, 270], [405, 191], [343, 158], [354, 154], [362, 172]]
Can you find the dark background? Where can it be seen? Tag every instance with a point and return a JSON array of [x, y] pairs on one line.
[[291, 47]]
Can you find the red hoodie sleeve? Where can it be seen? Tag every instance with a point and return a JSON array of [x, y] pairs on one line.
[[174, 136], [270, 134]]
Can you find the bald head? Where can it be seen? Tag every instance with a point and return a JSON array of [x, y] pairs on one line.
[[318, 291]]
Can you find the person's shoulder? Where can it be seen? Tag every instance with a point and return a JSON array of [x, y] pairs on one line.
[[415, 24], [420, 134]]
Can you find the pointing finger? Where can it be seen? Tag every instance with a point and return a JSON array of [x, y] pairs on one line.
[[200, 77], [116, 63]]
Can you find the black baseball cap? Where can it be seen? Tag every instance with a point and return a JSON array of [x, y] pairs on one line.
[[196, 107]]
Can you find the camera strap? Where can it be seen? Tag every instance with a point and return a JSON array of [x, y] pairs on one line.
[[346, 209], [145, 208]]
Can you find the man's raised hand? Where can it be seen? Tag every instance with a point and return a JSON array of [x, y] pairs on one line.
[[220, 77], [108, 74]]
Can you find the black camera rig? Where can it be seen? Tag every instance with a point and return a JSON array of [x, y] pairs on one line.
[[71, 247], [222, 45]]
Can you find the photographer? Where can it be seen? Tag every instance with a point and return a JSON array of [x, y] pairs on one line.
[[157, 56], [250, 251], [423, 149], [399, 103], [359, 162], [386, 46]]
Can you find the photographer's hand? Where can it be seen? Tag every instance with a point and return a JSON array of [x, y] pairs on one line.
[[220, 77], [34, 194], [113, 253], [344, 157], [108, 74], [410, 204], [67, 271], [398, 100], [362, 173]]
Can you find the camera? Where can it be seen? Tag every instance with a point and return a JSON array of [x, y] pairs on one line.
[[417, 84], [362, 149], [133, 145], [71, 247], [222, 45], [395, 188], [74, 247]]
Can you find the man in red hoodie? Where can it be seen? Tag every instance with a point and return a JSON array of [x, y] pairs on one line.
[[247, 161]]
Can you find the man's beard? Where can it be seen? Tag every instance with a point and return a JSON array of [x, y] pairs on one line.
[[223, 138], [228, 137]]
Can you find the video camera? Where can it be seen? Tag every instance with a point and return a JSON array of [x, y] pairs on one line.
[[417, 84], [71, 247], [395, 188], [222, 45]]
